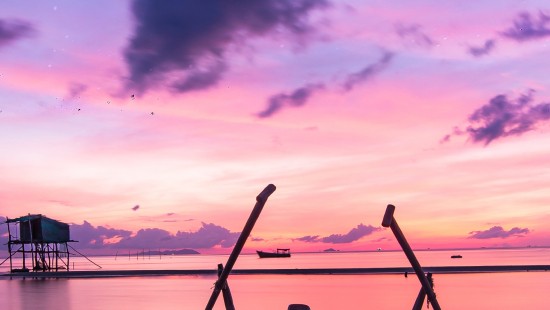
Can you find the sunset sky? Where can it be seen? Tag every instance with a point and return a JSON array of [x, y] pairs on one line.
[[156, 123]]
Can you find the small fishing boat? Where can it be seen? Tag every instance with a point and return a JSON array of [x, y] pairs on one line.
[[456, 256], [279, 253]]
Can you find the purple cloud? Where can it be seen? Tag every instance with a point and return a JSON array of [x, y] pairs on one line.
[[368, 72], [296, 98], [12, 30], [208, 236], [502, 117], [183, 43], [89, 236], [135, 208], [100, 237], [479, 51], [353, 235], [415, 34], [527, 27], [498, 232]]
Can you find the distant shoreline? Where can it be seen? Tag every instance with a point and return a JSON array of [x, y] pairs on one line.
[[329, 252], [307, 271]]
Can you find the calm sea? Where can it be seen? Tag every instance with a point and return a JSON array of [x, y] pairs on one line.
[[513, 290]]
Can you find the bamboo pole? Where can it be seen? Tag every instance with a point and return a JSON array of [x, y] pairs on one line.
[[220, 283], [389, 221]]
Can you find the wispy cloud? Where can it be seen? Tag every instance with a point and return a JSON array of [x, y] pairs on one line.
[[185, 42], [483, 50], [309, 238], [296, 98], [414, 34], [368, 72], [353, 235], [527, 27], [502, 117], [75, 90], [498, 232], [12, 30]]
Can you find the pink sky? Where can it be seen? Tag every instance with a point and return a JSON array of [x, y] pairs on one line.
[[441, 109]]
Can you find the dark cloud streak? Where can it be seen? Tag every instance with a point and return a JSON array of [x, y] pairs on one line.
[[353, 235], [487, 47], [368, 72], [296, 98], [184, 43], [527, 27], [12, 30], [498, 232], [502, 117]]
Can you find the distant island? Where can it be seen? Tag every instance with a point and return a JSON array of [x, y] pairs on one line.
[[331, 250], [171, 252]]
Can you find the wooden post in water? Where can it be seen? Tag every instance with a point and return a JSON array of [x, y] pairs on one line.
[[221, 282], [389, 221], [226, 293], [9, 243], [422, 294]]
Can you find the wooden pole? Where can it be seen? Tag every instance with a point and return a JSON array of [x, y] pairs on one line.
[[9, 243], [389, 221], [260, 202], [68, 257], [226, 293]]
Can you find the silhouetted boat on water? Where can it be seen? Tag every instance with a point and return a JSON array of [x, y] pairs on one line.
[[279, 253], [456, 256]]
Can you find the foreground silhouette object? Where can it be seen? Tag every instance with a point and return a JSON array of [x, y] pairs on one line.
[[298, 307], [221, 283], [426, 281]]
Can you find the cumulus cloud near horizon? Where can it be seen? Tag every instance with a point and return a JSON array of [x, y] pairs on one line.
[[207, 236], [353, 235]]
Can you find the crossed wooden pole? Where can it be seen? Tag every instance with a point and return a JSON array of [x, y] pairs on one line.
[[221, 283], [427, 289]]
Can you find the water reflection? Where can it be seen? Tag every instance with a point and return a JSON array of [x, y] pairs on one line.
[[41, 294], [517, 290]]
